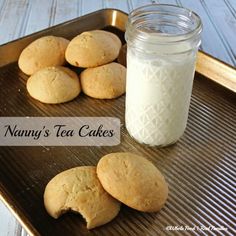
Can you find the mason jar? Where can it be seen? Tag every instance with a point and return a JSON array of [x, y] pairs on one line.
[[162, 44]]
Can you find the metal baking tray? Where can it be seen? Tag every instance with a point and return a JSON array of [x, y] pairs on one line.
[[200, 167]]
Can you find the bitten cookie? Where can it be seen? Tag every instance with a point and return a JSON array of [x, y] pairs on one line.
[[104, 82], [78, 189], [93, 48], [133, 180], [43, 52], [54, 85]]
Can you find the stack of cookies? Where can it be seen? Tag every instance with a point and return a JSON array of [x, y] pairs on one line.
[[51, 82], [97, 192], [95, 50]]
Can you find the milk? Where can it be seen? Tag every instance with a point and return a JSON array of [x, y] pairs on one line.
[[158, 93]]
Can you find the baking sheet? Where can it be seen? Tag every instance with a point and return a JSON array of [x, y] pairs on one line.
[[200, 168]]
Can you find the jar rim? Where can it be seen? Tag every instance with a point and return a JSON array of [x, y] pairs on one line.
[[157, 9]]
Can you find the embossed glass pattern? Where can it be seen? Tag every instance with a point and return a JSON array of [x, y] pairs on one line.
[[162, 44]]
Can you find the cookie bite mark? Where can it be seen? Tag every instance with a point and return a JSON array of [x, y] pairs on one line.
[[79, 190]]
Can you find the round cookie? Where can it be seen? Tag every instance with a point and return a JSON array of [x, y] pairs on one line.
[[104, 82], [54, 85], [78, 189], [93, 48], [133, 180], [43, 52]]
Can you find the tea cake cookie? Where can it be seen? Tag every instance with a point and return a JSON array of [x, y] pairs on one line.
[[133, 180], [104, 82], [43, 52], [122, 56], [93, 48], [54, 85], [79, 190]]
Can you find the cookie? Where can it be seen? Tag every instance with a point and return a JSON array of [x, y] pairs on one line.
[[43, 52], [93, 48], [79, 190], [54, 85], [104, 82], [122, 56], [133, 180]]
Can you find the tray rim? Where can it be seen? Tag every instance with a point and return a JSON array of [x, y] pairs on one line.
[[109, 10], [6, 198], [216, 70], [207, 65], [201, 68]]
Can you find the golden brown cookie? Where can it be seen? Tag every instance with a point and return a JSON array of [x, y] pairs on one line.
[[133, 180], [93, 48], [43, 52], [79, 190], [54, 85], [122, 56], [104, 82]]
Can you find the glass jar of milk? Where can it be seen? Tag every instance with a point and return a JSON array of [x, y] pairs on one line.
[[162, 43]]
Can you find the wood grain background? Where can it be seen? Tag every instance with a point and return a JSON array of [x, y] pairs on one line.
[[23, 17]]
